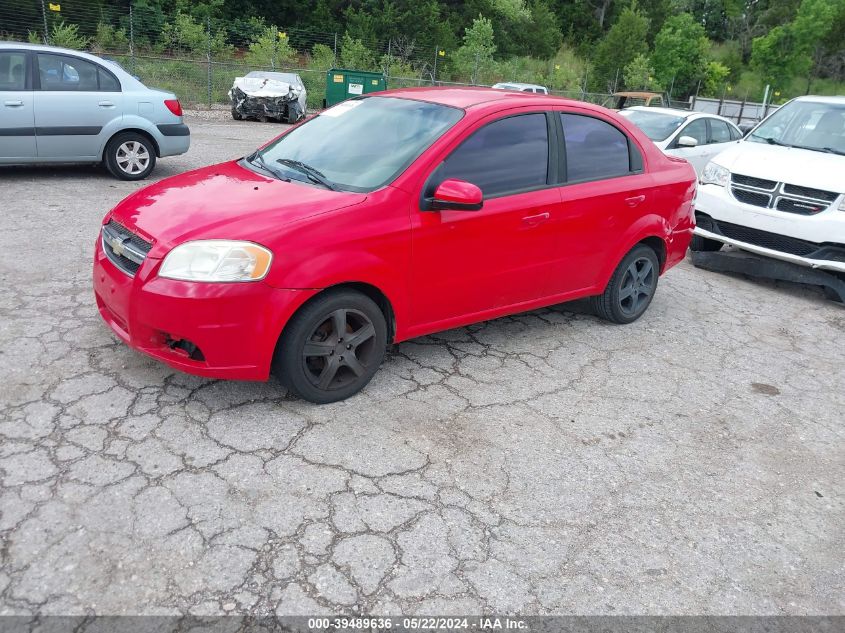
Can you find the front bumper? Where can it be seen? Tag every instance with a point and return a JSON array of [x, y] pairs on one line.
[[816, 241], [226, 330]]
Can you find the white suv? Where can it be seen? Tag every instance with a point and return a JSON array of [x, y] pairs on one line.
[[780, 192]]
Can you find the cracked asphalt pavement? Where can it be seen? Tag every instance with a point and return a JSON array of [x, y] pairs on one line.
[[689, 463]]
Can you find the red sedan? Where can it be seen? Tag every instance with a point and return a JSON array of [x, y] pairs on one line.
[[388, 217]]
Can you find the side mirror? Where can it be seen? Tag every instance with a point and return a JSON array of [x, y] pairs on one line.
[[687, 141], [457, 195]]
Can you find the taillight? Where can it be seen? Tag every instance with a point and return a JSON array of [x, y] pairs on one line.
[[174, 106]]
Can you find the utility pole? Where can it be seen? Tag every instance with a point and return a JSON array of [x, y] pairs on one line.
[[44, 16]]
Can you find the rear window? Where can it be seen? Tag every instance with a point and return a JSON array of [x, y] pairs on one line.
[[594, 149]]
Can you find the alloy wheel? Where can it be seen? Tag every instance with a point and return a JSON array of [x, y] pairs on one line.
[[340, 350], [637, 286], [132, 157]]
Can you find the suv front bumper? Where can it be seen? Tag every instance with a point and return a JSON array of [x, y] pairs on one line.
[[816, 241]]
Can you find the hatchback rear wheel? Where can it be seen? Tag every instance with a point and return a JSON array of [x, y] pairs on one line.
[[332, 347], [130, 156], [631, 288]]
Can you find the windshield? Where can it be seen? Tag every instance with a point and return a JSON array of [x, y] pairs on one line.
[[658, 126], [361, 144], [805, 124]]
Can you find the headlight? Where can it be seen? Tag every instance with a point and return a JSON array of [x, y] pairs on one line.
[[217, 260], [714, 174]]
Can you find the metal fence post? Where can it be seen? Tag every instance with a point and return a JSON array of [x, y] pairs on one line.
[[475, 71], [434, 74], [275, 44], [208, 57], [131, 39], [334, 63], [389, 46], [44, 16]]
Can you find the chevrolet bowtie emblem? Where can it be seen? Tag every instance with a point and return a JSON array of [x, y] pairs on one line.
[[117, 246]]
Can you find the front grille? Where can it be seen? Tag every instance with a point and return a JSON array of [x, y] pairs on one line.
[[757, 237], [803, 207], [752, 197], [751, 181], [125, 249], [781, 196], [807, 192]]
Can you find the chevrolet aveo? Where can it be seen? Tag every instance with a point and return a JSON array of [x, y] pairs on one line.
[[385, 218]]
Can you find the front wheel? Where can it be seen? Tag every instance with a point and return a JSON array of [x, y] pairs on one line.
[[631, 288], [700, 243], [130, 156], [332, 347]]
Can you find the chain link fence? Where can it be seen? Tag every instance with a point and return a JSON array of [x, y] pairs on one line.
[[198, 60]]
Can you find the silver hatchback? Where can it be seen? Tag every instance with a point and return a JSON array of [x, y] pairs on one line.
[[64, 106]]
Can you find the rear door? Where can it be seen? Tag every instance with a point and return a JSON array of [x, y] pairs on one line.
[[17, 122], [604, 191], [75, 100]]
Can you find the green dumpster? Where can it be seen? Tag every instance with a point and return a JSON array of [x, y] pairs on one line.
[[342, 84]]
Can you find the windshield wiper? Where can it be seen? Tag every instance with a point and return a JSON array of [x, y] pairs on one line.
[[829, 150], [315, 175], [770, 140], [257, 159]]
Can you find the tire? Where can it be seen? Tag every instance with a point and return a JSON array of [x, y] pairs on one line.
[[631, 288], [237, 115], [130, 156], [700, 243], [332, 326]]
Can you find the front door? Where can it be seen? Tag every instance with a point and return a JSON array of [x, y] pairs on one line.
[[17, 123], [699, 155], [76, 100], [467, 262]]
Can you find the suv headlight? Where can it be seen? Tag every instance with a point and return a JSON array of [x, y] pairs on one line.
[[217, 261], [714, 174]]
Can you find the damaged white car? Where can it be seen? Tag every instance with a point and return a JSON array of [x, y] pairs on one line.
[[266, 95]]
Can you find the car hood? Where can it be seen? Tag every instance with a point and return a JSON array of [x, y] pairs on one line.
[[225, 201], [792, 165]]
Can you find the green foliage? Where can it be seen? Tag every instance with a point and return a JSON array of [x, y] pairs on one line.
[[110, 38], [473, 61], [680, 54], [639, 74], [355, 55], [625, 40], [184, 34], [68, 36], [271, 49], [34, 37], [322, 57], [716, 74]]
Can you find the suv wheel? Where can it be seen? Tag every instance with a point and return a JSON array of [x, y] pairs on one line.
[[700, 243], [130, 156], [332, 347], [631, 288]]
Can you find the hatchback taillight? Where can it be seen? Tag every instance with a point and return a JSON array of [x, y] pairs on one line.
[[174, 106]]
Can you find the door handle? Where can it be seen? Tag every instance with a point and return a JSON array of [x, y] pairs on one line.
[[534, 220], [634, 201], [106, 104], [13, 104]]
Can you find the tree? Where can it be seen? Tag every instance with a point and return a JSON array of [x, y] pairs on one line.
[[624, 41], [474, 58], [355, 55], [271, 49], [680, 54], [639, 75]]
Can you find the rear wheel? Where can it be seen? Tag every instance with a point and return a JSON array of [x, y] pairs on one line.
[[700, 243], [631, 288], [236, 115], [332, 347], [130, 156]]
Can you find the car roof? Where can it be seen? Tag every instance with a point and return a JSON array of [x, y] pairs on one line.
[[839, 99], [687, 114], [475, 97], [516, 84]]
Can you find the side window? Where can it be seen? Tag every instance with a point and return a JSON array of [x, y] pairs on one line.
[[58, 72], [12, 71], [697, 129], [505, 156], [108, 82], [719, 131], [594, 149]]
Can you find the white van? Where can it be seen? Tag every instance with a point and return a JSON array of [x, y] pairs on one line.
[[780, 192]]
